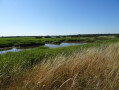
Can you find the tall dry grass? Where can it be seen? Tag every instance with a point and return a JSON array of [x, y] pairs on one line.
[[90, 69]]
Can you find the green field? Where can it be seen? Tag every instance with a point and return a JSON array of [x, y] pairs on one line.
[[14, 65], [35, 41], [20, 42]]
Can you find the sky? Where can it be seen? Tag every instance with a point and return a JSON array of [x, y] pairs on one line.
[[58, 17]]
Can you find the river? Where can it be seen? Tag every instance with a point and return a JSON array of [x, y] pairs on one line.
[[14, 49]]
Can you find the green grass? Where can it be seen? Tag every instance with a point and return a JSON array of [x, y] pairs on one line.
[[20, 42], [13, 64], [32, 41], [20, 66], [17, 62], [80, 39]]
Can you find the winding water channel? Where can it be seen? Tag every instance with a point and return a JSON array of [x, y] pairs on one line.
[[14, 49]]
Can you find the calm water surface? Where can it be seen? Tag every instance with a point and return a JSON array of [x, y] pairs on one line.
[[62, 45], [10, 50], [47, 45]]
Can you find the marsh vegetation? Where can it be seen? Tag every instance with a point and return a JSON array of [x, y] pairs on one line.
[[90, 66]]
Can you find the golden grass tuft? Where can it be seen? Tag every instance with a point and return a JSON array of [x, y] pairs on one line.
[[93, 68]]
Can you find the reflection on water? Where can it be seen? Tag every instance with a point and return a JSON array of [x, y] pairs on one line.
[[47, 45], [62, 45], [10, 50]]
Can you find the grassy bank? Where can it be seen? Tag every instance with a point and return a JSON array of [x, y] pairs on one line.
[[80, 39], [32, 41], [94, 68], [20, 42], [91, 66], [18, 62]]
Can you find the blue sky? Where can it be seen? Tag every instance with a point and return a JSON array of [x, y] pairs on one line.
[[58, 17]]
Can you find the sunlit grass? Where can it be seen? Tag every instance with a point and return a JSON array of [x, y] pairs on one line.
[[85, 68], [32, 41]]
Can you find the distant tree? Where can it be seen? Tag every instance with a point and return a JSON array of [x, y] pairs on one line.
[[38, 37], [57, 36], [117, 35], [47, 36]]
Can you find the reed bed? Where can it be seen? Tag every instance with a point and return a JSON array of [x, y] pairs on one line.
[[95, 68]]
